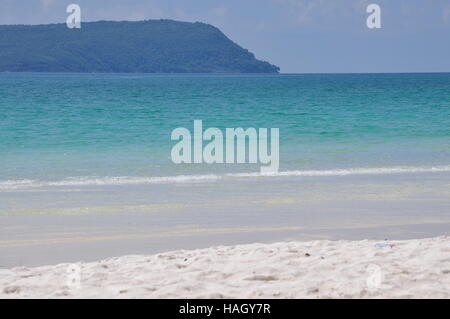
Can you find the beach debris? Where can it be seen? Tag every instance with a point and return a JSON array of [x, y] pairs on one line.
[[313, 290], [11, 290], [384, 245], [262, 278]]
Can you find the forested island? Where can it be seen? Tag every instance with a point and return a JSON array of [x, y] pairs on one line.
[[152, 46]]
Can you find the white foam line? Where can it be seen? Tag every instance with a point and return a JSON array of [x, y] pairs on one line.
[[105, 181], [127, 180], [351, 171]]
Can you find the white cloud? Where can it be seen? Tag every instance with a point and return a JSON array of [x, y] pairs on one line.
[[446, 15], [305, 12], [219, 12], [47, 3]]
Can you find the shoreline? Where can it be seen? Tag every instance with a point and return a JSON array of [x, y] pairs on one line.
[[418, 268], [69, 224]]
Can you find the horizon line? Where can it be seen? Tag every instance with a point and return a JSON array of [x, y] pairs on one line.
[[230, 73]]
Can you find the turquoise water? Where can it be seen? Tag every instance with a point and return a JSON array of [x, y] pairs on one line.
[[86, 173], [111, 128]]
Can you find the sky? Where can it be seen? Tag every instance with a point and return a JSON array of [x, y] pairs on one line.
[[300, 36]]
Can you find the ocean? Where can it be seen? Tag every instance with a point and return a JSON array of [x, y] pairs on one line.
[[86, 169], [83, 129]]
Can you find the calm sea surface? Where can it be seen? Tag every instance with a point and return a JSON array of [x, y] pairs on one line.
[[86, 173], [76, 129]]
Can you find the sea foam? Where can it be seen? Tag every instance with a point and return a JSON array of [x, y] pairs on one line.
[[130, 180]]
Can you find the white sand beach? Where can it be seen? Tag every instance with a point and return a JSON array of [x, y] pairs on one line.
[[316, 269]]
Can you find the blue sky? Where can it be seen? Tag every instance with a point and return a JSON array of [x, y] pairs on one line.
[[298, 35]]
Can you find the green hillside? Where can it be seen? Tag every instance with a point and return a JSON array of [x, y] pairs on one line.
[[153, 46]]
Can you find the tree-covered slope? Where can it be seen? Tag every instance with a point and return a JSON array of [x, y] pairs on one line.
[[144, 46]]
